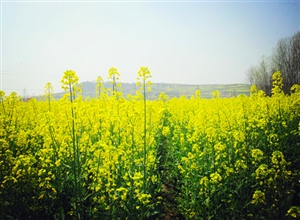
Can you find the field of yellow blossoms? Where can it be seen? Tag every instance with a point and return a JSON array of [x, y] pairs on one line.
[[115, 157]]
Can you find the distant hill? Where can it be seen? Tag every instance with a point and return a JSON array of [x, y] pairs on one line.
[[172, 90]]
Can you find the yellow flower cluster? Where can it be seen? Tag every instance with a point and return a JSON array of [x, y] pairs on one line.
[[258, 197], [257, 155], [294, 212], [277, 83], [215, 177]]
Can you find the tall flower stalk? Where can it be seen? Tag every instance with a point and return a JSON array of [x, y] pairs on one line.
[[99, 86], [114, 75], [70, 82], [49, 94], [145, 84]]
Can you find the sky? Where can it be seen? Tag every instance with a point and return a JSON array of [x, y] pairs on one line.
[[188, 42]]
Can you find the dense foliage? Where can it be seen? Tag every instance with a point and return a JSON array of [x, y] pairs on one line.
[[130, 158]]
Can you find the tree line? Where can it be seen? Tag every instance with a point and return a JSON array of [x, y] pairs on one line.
[[285, 58]]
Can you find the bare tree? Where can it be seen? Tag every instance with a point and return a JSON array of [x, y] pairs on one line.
[[285, 58], [294, 77], [265, 75], [250, 75], [281, 58]]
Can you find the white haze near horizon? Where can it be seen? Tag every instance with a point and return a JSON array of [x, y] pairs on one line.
[[184, 42]]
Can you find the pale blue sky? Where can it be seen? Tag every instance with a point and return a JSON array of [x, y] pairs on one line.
[[181, 42]]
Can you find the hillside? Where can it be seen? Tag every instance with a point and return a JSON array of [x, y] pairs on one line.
[[172, 90]]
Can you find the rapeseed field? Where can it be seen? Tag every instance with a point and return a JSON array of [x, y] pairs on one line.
[[116, 157]]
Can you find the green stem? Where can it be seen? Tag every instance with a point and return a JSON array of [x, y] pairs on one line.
[[145, 135], [49, 97], [75, 156]]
